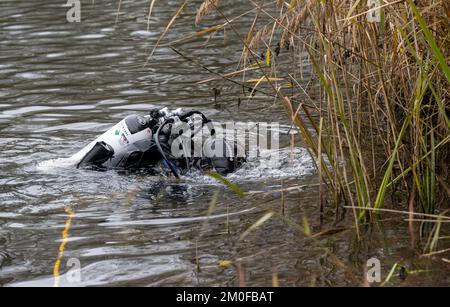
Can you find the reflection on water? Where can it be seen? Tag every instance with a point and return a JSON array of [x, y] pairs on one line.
[[62, 84]]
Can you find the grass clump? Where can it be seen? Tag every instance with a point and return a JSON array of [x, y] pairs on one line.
[[379, 123]]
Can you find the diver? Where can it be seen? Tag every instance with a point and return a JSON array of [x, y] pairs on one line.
[[162, 142]]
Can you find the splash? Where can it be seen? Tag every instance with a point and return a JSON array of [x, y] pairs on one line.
[[291, 165], [54, 164], [297, 165]]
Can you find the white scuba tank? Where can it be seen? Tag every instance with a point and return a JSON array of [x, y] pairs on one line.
[[131, 137]]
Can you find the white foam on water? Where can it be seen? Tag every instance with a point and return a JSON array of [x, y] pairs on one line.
[[263, 168], [288, 165], [54, 164]]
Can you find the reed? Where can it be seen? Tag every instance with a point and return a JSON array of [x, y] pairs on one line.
[[380, 125], [205, 9], [383, 113]]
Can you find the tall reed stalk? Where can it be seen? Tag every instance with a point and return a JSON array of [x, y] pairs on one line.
[[380, 125]]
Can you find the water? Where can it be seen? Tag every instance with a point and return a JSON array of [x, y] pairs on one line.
[[62, 84]]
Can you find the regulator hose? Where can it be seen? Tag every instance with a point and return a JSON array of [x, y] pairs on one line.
[[161, 151], [205, 121]]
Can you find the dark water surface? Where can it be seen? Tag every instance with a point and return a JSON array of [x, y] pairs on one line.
[[62, 84]]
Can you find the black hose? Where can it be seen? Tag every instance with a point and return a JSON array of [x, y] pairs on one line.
[[158, 145], [183, 117]]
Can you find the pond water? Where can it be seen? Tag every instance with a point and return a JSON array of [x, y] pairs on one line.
[[62, 84]]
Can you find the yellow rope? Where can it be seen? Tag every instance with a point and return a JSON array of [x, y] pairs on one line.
[[62, 247]]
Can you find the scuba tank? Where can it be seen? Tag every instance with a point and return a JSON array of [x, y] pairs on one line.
[[144, 142], [128, 144]]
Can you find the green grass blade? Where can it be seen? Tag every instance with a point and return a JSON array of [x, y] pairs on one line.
[[226, 182], [430, 40], [383, 187]]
